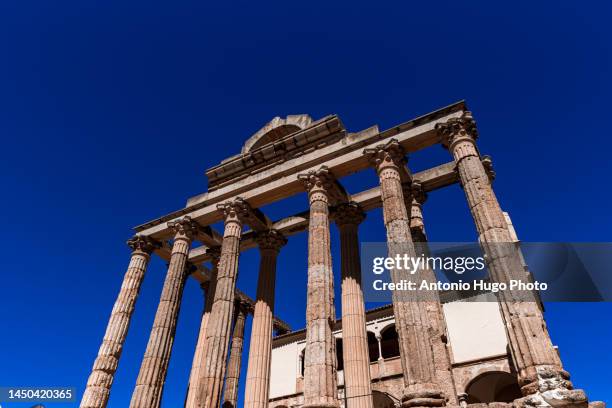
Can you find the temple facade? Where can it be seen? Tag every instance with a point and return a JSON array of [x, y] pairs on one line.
[[430, 353]]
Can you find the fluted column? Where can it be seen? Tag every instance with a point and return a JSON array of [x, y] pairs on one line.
[[198, 357], [152, 375], [541, 376], [320, 381], [357, 382], [436, 322], [421, 388], [260, 349], [220, 320], [232, 378], [415, 196], [101, 378]]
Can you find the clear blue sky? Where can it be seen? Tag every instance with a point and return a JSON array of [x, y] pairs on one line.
[[111, 111]]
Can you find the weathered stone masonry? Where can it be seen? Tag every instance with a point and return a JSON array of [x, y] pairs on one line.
[[286, 157]]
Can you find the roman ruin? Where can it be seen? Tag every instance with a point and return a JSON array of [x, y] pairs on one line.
[[408, 354]]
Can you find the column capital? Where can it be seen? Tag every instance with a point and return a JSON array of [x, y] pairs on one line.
[[142, 243], [270, 240], [348, 214], [322, 181], [417, 192], [390, 154], [240, 211], [243, 306], [236, 210], [184, 228], [455, 129]]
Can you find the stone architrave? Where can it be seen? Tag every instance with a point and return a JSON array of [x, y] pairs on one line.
[[198, 358], [357, 381], [421, 387], [260, 351], [320, 378], [541, 376], [101, 378], [152, 375]]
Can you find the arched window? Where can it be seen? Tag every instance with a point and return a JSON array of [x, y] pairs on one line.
[[389, 342], [494, 386], [372, 347]]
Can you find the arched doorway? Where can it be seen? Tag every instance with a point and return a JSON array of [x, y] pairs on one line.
[[494, 386], [382, 400]]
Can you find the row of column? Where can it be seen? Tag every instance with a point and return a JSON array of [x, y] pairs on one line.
[[540, 373], [209, 364], [424, 356], [420, 325]]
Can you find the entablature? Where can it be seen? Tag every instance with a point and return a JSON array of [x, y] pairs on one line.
[[343, 157]]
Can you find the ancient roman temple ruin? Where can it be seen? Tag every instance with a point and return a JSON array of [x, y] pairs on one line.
[[408, 354]]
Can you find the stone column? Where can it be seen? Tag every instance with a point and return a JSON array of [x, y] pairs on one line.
[[320, 378], [437, 324], [379, 340], [230, 396], [417, 196], [421, 388], [541, 376], [152, 375], [101, 378], [260, 349], [219, 323], [357, 382], [198, 358]]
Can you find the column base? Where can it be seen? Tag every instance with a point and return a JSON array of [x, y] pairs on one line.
[[415, 399], [550, 387], [558, 398]]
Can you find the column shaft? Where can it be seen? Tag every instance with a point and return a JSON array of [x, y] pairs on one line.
[[320, 378], [536, 361], [436, 321], [421, 388], [260, 348], [152, 375], [357, 381], [220, 320], [230, 396], [101, 378], [198, 355]]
